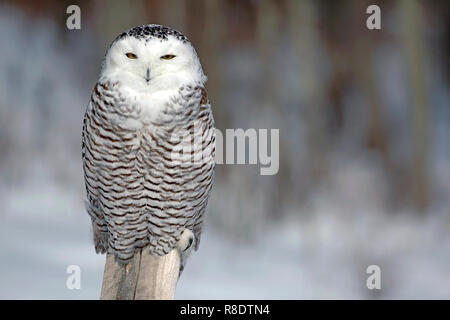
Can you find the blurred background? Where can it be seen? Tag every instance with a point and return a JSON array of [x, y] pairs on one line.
[[364, 122]]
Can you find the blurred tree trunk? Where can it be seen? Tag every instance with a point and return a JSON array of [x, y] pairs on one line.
[[413, 27], [303, 24], [210, 50], [338, 35], [377, 135], [211, 53], [363, 64], [113, 19], [268, 44], [173, 14], [267, 36]]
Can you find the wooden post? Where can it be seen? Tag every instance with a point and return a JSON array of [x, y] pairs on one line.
[[146, 277]]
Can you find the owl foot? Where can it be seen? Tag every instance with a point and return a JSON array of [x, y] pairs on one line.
[[185, 246]]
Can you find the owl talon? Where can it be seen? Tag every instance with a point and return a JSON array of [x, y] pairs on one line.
[[191, 241], [185, 246]]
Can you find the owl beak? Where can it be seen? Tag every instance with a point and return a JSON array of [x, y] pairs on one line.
[[147, 76]]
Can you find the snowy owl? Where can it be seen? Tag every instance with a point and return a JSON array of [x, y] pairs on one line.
[[149, 100]]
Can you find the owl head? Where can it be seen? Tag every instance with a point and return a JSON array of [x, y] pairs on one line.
[[152, 57]]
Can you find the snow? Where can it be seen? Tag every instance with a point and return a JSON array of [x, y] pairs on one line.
[[44, 229]]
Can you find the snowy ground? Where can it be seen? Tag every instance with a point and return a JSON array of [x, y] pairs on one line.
[[44, 229]]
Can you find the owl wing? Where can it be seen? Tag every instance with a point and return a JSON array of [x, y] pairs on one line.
[[90, 166], [183, 188], [208, 166], [109, 172]]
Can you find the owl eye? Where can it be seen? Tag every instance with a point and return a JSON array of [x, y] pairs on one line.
[[168, 57], [131, 55]]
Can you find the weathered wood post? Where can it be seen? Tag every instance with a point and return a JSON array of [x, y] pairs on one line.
[[146, 277]]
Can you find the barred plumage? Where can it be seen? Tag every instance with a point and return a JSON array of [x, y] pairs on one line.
[[142, 189]]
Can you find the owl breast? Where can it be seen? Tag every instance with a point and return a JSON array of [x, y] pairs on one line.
[[147, 179]]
